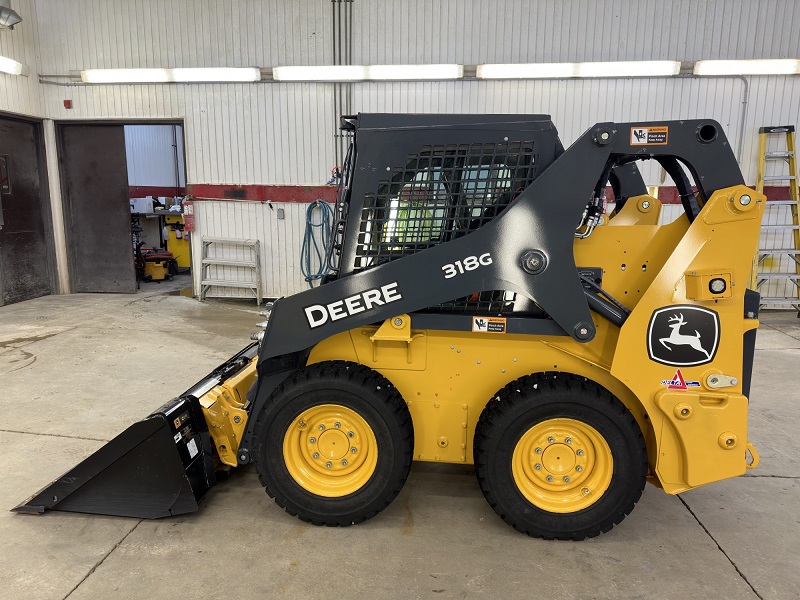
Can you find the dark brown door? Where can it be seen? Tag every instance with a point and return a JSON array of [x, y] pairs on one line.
[[24, 260], [97, 208]]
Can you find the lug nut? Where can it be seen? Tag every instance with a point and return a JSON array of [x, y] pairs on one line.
[[579, 468], [566, 478], [568, 440], [549, 478], [537, 466], [353, 450], [328, 465], [585, 491], [350, 434], [322, 427], [551, 439], [312, 440], [301, 423], [344, 463], [538, 451], [337, 425], [580, 453], [315, 455]]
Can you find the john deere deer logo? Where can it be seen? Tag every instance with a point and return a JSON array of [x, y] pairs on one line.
[[683, 335], [676, 338]]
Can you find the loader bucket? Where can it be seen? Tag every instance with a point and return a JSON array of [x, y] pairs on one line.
[[158, 467], [137, 474]]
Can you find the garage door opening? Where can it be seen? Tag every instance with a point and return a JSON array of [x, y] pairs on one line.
[[123, 189]]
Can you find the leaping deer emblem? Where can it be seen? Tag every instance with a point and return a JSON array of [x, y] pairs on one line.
[[676, 338]]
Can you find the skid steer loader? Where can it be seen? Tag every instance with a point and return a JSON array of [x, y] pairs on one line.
[[484, 307]]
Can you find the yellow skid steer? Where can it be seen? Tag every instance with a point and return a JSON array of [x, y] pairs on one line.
[[486, 304]]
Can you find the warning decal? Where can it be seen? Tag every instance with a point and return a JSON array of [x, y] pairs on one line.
[[192, 447], [649, 136], [678, 382], [489, 324]]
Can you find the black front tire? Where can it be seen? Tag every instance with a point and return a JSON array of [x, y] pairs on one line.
[[360, 391]]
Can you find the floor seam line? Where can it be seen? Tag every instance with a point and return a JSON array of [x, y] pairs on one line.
[[772, 476], [59, 435], [725, 554], [102, 560]]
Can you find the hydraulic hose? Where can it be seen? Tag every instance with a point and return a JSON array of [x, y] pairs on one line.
[[315, 242]]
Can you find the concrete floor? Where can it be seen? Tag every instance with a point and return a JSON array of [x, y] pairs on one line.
[[76, 370]]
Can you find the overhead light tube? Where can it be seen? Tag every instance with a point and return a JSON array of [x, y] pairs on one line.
[[12, 67], [368, 72], [634, 68], [177, 75], [768, 66]]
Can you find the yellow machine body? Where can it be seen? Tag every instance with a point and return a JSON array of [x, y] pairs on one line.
[[694, 435]]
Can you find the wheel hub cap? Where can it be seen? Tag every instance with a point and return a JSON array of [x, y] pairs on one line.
[[330, 450], [333, 445], [558, 459], [562, 465]]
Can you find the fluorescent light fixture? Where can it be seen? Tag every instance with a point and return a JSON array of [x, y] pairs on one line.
[[368, 73], [769, 66], [216, 74], [12, 67], [634, 68], [179, 75]]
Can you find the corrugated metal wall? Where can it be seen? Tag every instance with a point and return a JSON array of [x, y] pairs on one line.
[[155, 155], [237, 134], [21, 94], [280, 239], [284, 133]]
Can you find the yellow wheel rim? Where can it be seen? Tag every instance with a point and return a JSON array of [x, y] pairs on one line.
[[330, 450], [562, 465]]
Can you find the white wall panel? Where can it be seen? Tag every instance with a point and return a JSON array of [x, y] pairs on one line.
[[478, 31], [283, 133], [281, 242], [155, 155], [270, 133], [19, 94]]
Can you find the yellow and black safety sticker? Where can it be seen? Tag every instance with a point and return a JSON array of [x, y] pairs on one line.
[[489, 324]]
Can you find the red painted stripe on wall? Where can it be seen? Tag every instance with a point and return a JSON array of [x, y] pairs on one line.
[[263, 193], [143, 191]]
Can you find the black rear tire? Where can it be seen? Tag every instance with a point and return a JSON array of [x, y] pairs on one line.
[[373, 405], [513, 445]]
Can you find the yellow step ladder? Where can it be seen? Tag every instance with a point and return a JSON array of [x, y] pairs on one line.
[[778, 252]]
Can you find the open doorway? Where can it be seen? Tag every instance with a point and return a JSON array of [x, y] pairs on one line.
[[123, 186], [157, 186]]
